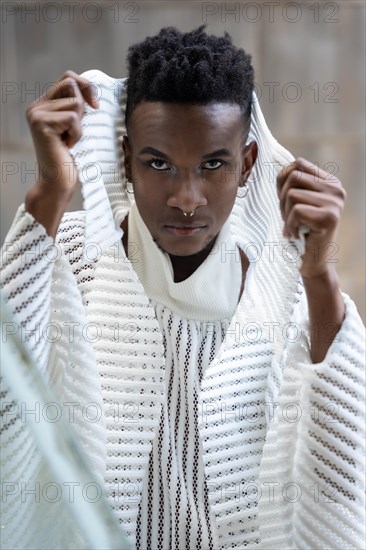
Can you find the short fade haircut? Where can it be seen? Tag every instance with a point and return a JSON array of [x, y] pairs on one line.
[[190, 68]]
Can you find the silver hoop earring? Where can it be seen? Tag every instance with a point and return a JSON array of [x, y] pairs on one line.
[[129, 190], [246, 190]]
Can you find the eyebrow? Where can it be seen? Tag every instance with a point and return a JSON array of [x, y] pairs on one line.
[[219, 152]]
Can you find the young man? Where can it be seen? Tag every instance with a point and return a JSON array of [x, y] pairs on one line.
[[229, 381]]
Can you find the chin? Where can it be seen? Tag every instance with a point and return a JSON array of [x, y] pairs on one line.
[[188, 249], [178, 250]]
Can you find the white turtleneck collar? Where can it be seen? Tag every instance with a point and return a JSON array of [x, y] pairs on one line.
[[211, 293]]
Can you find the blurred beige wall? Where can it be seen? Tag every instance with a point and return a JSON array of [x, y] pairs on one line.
[[309, 60]]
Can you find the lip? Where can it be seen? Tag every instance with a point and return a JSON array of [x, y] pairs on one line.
[[185, 230]]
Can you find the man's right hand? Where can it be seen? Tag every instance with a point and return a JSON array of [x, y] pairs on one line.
[[55, 123]]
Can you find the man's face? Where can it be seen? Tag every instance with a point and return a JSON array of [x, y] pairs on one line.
[[184, 158]]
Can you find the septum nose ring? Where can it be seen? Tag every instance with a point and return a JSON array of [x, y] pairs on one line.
[[189, 214]]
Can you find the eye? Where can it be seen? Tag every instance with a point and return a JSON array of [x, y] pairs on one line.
[[157, 161], [219, 162]]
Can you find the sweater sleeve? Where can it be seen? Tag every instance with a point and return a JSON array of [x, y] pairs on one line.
[[27, 263], [316, 451], [27, 259], [40, 288]]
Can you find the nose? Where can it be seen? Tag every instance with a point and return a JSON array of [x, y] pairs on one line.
[[187, 194]]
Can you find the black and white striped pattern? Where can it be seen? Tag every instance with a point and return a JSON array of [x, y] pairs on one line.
[[174, 511]]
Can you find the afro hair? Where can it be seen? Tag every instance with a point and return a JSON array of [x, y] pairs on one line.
[[192, 68]]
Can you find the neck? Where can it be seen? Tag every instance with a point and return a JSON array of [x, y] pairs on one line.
[[184, 266]]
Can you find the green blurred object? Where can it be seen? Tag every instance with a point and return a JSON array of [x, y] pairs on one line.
[[59, 446]]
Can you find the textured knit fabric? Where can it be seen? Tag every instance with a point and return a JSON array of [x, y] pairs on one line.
[[174, 511], [211, 293], [282, 439]]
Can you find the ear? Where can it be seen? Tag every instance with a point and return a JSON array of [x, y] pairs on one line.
[[250, 154], [127, 156]]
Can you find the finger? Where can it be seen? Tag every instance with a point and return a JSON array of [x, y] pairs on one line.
[[71, 84], [73, 133], [89, 90], [283, 175], [322, 195], [303, 170], [63, 104], [297, 178], [300, 180], [318, 219], [301, 196], [62, 124], [297, 174], [65, 88], [311, 168], [68, 96]]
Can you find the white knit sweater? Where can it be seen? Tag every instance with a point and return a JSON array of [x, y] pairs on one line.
[[281, 439], [193, 317]]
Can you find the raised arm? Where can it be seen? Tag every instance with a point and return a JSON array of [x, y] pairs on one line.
[[315, 198], [55, 124]]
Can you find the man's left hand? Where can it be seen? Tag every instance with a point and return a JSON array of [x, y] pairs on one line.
[[315, 198]]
